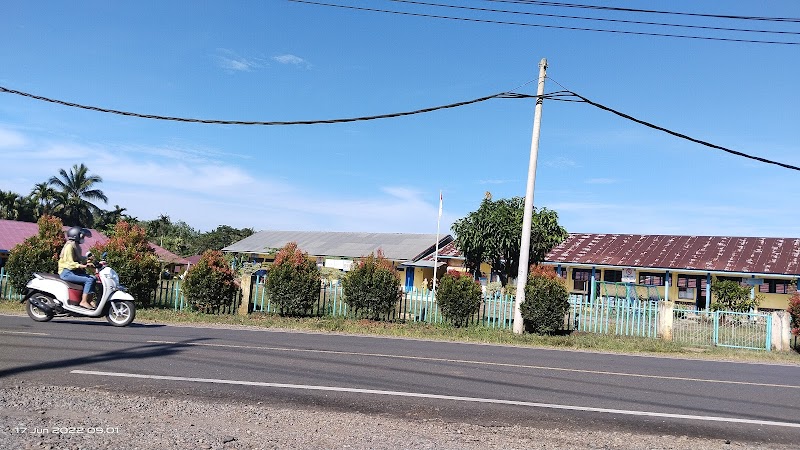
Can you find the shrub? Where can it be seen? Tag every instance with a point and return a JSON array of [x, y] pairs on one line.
[[371, 287], [731, 296], [459, 297], [210, 284], [293, 281], [129, 254], [794, 312], [38, 253], [546, 301]]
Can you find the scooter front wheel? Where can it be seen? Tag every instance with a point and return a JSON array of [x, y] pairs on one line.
[[121, 314], [36, 313]]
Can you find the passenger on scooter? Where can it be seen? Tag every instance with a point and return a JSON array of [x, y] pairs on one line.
[[72, 266]]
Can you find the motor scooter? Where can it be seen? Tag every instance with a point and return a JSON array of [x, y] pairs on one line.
[[48, 296]]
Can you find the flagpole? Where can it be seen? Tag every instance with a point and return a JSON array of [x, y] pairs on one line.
[[436, 253]]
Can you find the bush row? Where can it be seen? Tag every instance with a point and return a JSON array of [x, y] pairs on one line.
[[371, 288]]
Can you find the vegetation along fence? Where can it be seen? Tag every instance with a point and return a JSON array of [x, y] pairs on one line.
[[496, 311], [6, 291], [722, 328]]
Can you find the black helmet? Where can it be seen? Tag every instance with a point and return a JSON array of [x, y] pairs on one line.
[[77, 234]]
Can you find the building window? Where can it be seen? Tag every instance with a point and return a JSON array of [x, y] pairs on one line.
[[772, 286], [581, 279], [612, 276], [653, 279], [688, 286]]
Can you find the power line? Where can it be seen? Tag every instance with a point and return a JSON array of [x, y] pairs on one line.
[[560, 27], [649, 11], [675, 133], [565, 95], [599, 19], [256, 122]]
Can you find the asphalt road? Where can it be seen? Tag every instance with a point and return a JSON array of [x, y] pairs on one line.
[[486, 384]]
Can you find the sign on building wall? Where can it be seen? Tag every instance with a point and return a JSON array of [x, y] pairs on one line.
[[341, 264], [629, 275]]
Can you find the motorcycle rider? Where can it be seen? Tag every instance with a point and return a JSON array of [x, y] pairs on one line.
[[72, 266]]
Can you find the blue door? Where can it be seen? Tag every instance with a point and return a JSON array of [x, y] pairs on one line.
[[409, 278]]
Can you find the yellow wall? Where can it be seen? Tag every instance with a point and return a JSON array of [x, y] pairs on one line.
[[769, 301]]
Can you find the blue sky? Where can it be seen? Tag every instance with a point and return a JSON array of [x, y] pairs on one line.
[[279, 60]]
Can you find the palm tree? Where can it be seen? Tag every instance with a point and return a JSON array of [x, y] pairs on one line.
[[73, 203], [44, 196], [7, 200], [16, 207]]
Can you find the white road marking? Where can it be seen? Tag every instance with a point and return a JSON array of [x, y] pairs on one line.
[[23, 332], [486, 363], [442, 397]]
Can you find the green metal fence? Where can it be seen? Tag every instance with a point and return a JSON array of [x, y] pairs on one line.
[[496, 311], [618, 316], [722, 328], [6, 291]]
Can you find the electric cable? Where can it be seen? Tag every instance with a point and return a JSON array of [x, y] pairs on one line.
[[600, 19], [559, 27], [675, 133], [256, 122], [563, 95], [648, 11]]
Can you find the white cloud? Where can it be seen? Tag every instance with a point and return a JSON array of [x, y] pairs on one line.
[[496, 181], [600, 181], [11, 139], [560, 162], [292, 60], [206, 190], [232, 62]]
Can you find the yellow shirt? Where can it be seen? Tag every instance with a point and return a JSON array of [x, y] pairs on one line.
[[70, 257]]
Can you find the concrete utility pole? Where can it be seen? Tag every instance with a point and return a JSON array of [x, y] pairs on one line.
[[527, 218]]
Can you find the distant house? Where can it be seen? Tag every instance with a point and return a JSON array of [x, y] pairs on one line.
[[340, 249], [682, 267], [13, 232]]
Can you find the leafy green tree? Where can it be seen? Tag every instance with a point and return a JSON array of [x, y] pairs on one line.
[[220, 237], [794, 313], [210, 284], [77, 191], [16, 207], [293, 282], [546, 301], [129, 254], [38, 253], [493, 234], [731, 296], [459, 297], [371, 286], [177, 237]]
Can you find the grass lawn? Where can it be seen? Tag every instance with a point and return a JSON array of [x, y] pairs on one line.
[[574, 341]]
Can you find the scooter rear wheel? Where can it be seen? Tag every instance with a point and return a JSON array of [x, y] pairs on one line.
[[36, 313], [121, 314]]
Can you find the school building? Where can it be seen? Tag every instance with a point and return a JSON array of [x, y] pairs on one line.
[[681, 268]]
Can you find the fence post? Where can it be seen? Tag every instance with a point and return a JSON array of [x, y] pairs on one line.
[[665, 317], [781, 331], [244, 306]]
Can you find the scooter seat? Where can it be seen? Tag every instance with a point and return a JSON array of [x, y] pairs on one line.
[[52, 276]]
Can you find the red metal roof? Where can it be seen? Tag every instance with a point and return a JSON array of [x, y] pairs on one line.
[[449, 251], [708, 253], [13, 232]]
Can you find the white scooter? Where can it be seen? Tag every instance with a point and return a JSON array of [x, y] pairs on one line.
[[48, 296]]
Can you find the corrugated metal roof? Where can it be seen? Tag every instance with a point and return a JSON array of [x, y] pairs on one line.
[[708, 253], [395, 246], [13, 232], [449, 251]]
